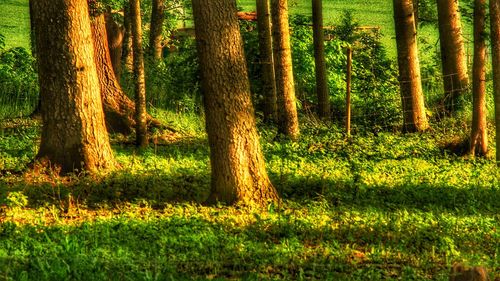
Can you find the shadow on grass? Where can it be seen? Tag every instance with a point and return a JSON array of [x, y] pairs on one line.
[[472, 199], [184, 246]]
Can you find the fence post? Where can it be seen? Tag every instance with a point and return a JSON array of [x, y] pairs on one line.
[[348, 92]]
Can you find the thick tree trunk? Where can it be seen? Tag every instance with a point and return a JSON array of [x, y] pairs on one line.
[[141, 128], [412, 97], [156, 29], [454, 64], [238, 169], [320, 63], [479, 134], [266, 60], [74, 135], [115, 34], [495, 54], [288, 123]]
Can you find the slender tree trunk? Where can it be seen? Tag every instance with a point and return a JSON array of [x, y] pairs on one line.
[[479, 134], [288, 123], [238, 169], [115, 34], [415, 12], [454, 63], [156, 29], [139, 76], [320, 63], [412, 97], [74, 135], [127, 52], [267, 61], [495, 50]]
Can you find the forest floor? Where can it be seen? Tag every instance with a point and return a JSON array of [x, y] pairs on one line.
[[383, 206]]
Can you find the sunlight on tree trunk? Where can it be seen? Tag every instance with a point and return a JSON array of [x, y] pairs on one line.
[[412, 97], [479, 134], [238, 170], [454, 64], [288, 122], [141, 129], [74, 136]]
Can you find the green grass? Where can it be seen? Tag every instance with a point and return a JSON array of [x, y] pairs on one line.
[[14, 23], [376, 207]]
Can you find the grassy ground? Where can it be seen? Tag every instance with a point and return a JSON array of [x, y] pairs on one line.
[[376, 207], [14, 22]]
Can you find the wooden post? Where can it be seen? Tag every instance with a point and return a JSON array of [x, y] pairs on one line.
[[348, 92]]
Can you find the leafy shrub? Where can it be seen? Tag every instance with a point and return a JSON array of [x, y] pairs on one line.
[[18, 82]]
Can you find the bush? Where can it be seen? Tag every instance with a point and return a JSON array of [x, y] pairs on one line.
[[18, 82]]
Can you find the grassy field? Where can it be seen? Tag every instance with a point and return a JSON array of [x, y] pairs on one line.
[[384, 207], [14, 22]]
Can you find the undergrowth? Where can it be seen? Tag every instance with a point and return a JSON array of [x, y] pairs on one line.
[[373, 207]]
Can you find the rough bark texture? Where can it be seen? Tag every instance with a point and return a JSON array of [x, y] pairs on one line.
[[479, 134], [266, 60], [118, 108], [115, 34], [319, 58], [139, 76], [454, 64], [288, 123], [74, 135], [156, 29], [409, 69], [495, 54], [238, 169]]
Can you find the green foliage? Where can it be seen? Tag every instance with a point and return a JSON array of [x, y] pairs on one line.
[[18, 82], [377, 207]]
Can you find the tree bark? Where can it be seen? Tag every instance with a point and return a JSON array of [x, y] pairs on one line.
[[238, 169], [74, 135], [414, 117], [319, 58], [454, 64], [479, 134], [156, 29], [127, 51], [139, 76], [288, 123], [266, 60], [495, 54], [115, 34]]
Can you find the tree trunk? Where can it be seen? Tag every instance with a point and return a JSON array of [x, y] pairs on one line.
[[156, 29], [320, 63], [139, 76], [74, 135], [415, 13], [495, 50], [288, 123], [115, 34], [127, 52], [454, 64], [479, 134], [412, 97], [266, 60], [238, 169], [119, 109]]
